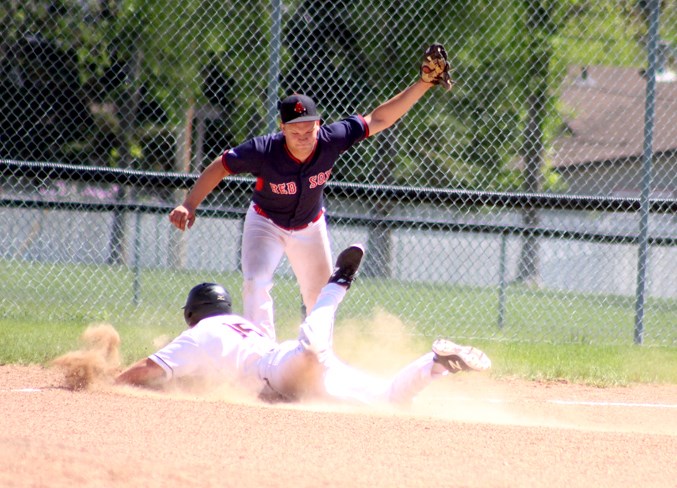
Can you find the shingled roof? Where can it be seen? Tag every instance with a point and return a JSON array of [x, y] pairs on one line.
[[605, 121]]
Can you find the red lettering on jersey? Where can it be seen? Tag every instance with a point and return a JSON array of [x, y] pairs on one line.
[[319, 179], [283, 188], [241, 329]]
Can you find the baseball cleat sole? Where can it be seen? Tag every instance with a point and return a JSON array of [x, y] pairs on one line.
[[457, 358]]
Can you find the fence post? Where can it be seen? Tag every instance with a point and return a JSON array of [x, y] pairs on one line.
[[137, 260], [502, 282], [274, 76], [647, 155]]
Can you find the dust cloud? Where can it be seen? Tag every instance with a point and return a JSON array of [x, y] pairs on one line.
[[380, 345], [383, 344], [96, 362]]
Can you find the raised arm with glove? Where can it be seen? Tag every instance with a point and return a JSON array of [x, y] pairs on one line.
[[434, 70]]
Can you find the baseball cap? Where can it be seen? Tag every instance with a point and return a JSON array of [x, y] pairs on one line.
[[298, 108]]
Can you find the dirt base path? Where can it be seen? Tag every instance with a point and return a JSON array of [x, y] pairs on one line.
[[467, 430]]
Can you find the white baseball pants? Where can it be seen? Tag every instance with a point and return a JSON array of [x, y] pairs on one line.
[[339, 381], [263, 245]]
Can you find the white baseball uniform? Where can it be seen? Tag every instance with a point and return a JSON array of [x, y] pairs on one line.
[[229, 348]]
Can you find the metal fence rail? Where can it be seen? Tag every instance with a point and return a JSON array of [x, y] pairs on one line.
[[536, 201], [83, 213]]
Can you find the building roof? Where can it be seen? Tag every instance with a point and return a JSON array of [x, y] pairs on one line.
[[604, 113]]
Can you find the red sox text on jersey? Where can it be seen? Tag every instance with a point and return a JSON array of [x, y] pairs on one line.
[[288, 191], [291, 188]]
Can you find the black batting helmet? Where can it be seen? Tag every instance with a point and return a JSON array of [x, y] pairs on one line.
[[206, 300]]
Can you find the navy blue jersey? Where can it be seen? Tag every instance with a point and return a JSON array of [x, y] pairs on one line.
[[289, 191]]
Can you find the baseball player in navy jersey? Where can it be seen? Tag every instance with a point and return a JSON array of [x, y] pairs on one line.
[[223, 347], [286, 215]]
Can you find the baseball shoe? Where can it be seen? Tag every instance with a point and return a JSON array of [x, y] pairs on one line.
[[347, 264], [457, 358]]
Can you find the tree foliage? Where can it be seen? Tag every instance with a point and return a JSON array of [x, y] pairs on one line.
[[173, 55]]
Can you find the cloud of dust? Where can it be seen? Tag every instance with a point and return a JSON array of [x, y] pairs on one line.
[[96, 362], [381, 344], [479, 398], [195, 390]]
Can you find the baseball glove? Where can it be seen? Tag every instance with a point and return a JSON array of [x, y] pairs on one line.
[[435, 67]]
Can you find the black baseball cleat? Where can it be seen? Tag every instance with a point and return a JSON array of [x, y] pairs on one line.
[[457, 358], [347, 264]]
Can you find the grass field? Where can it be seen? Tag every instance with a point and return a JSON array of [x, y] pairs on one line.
[[546, 335]]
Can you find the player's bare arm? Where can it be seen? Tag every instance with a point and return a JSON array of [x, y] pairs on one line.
[[391, 111], [434, 70], [183, 216], [145, 372]]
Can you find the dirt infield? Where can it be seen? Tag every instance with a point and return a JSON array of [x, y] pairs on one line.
[[467, 431]]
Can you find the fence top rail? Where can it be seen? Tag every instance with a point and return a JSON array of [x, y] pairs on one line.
[[351, 219], [465, 198]]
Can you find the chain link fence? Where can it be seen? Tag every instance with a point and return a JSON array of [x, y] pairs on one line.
[[535, 202]]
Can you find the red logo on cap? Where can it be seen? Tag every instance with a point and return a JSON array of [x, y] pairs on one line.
[[299, 108]]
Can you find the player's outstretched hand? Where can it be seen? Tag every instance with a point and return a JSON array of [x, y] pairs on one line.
[[435, 66], [182, 217]]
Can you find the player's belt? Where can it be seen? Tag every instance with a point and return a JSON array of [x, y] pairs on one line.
[[263, 213]]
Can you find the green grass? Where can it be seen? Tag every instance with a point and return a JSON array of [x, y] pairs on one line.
[[546, 335], [577, 363], [38, 343]]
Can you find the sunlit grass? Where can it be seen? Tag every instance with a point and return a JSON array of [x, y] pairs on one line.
[[544, 335]]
